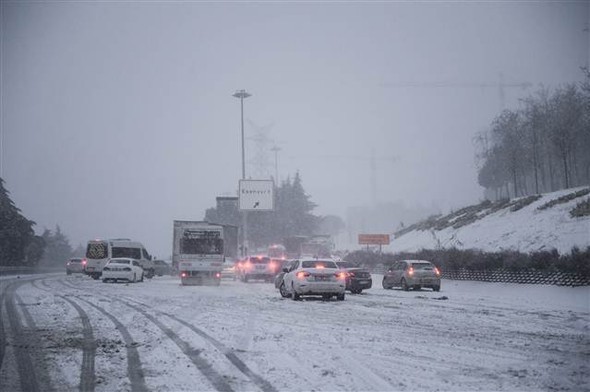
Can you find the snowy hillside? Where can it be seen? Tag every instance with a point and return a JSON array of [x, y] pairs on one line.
[[535, 226]]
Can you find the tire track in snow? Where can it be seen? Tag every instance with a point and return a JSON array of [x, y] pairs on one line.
[[87, 375], [203, 366], [216, 379], [31, 377], [228, 353]]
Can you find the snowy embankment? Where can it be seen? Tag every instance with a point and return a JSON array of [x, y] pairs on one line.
[[526, 230]]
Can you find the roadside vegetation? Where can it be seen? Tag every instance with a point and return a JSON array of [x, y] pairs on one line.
[[575, 262]]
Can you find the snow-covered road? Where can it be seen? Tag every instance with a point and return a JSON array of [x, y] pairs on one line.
[[74, 333]]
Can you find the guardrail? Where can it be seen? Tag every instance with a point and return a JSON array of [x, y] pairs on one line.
[[4, 271], [526, 277]]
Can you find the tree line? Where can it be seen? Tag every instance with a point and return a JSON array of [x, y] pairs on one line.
[[541, 147], [21, 247]]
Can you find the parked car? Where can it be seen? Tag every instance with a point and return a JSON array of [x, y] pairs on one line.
[[412, 274], [357, 279], [257, 267], [122, 268], [75, 265], [314, 277], [162, 268]]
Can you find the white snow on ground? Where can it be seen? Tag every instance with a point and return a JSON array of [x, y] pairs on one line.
[[471, 336], [526, 230]]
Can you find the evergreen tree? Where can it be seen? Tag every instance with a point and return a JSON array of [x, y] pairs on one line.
[[18, 244], [57, 249]]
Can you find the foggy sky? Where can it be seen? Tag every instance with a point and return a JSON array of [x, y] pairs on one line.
[[118, 118]]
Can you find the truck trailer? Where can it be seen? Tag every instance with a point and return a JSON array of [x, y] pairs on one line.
[[197, 252]]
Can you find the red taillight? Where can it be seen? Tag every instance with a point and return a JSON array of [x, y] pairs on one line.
[[218, 275], [303, 274], [351, 274], [411, 271], [83, 261], [273, 266], [436, 271], [183, 274], [340, 275]]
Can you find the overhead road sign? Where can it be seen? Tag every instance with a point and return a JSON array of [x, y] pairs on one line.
[[256, 195], [374, 239]]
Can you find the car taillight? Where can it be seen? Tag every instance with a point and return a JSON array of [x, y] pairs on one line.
[[411, 271], [351, 274], [436, 271], [183, 274], [273, 266], [303, 274], [340, 275], [84, 262], [218, 275]]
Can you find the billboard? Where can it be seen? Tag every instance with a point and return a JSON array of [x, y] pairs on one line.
[[256, 195], [373, 239]]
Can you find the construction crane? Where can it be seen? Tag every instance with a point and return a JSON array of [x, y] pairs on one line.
[[501, 85]]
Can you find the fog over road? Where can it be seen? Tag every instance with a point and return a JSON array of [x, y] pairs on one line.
[[62, 332]]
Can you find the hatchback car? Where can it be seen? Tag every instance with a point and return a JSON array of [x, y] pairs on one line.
[[313, 277], [357, 279], [412, 274], [75, 265], [122, 268]]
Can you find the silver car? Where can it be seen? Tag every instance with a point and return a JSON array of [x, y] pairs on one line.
[[412, 274]]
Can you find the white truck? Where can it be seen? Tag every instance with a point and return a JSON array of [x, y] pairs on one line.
[[197, 252]]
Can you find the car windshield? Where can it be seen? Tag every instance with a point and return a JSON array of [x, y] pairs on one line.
[[318, 264]]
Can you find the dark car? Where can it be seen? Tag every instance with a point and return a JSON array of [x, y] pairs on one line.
[[75, 265], [279, 278], [357, 279], [162, 268]]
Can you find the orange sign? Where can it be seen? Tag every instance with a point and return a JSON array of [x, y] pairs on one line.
[[373, 239]]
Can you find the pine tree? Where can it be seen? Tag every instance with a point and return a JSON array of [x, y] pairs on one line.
[[18, 243]]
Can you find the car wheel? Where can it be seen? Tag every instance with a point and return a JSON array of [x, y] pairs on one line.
[[405, 286], [283, 291], [385, 285], [436, 288], [294, 294], [340, 297]]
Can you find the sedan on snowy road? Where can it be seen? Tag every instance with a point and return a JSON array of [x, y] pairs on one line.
[[122, 268], [314, 277]]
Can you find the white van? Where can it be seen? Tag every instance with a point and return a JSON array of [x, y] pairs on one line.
[[99, 252]]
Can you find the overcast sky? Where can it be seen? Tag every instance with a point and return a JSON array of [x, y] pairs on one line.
[[118, 118]]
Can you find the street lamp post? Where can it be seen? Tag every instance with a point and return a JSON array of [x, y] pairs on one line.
[[241, 94]]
